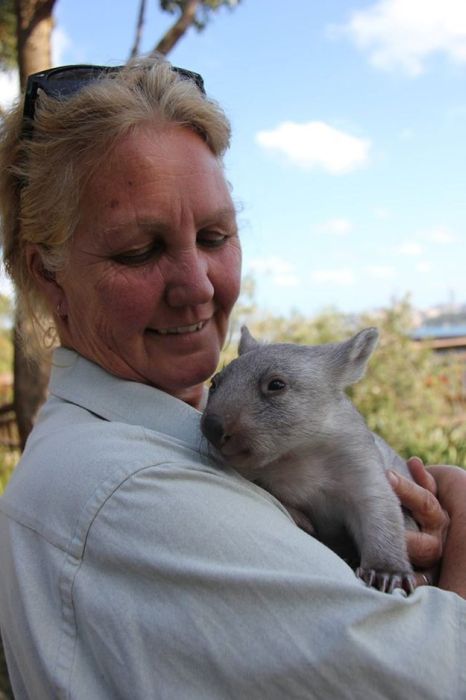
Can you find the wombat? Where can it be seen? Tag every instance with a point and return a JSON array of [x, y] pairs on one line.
[[280, 416]]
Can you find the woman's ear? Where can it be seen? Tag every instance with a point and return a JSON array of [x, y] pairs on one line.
[[45, 280]]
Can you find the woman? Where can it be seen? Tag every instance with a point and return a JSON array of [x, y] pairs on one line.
[[132, 565]]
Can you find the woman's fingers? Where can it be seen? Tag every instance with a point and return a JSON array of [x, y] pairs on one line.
[[420, 500], [425, 547], [421, 475]]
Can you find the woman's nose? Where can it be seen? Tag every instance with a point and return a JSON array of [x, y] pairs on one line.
[[188, 282]]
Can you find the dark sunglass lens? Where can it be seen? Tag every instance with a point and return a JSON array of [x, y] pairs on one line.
[[70, 80], [190, 75]]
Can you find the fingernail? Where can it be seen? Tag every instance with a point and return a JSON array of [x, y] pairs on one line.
[[393, 477], [418, 460]]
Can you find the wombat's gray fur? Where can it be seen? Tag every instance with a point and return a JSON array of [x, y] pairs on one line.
[[280, 416]]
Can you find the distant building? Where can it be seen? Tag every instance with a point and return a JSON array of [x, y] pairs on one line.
[[442, 337]]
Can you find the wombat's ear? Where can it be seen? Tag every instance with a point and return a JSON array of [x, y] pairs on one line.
[[247, 342], [352, 355]]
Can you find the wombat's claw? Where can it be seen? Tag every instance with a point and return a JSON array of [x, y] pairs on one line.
[[385, 582]]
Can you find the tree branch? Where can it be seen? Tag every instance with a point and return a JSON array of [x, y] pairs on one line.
[[139, 26], [179, 28]]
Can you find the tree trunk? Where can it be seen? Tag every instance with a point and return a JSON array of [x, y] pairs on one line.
[[34, 28]]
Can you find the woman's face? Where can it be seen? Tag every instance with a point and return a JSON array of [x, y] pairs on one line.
[[154, 266]]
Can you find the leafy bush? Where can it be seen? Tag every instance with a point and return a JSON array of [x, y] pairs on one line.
[[412, 396], [8, 461]]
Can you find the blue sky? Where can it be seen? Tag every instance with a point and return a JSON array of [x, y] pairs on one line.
[[348, 158]]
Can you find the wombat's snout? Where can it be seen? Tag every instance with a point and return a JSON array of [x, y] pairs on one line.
[[213, 429]]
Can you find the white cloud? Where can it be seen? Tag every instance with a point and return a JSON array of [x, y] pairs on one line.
[[410, 248], [424, 266], [343, 276], [337, 226], [404, 33], [9, 88], [440, 235], [280, 271], [316, 145], [381, 272]]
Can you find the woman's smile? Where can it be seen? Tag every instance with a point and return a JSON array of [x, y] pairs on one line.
[[179, 330]]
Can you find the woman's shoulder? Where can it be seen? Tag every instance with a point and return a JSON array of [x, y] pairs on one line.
[[75, 460]]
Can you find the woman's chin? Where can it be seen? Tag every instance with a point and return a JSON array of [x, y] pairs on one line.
[[181, 374]]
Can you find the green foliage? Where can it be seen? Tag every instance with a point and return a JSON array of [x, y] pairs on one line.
[[206, 7], [6, 311], [411, 396], [8, 460], [8, 57], [6, 351], [8, 457]]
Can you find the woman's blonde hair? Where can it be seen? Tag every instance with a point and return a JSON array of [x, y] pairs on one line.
[[42, 178]]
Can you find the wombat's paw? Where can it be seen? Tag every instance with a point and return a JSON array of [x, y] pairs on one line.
[[387, 582]]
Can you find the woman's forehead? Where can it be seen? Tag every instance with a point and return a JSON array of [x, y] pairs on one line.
[[155, 153], [156, 184]]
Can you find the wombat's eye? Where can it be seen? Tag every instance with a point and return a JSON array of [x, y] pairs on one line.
[[276, 385], [213, 384]]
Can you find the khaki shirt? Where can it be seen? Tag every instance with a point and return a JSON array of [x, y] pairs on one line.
[[134, 567]]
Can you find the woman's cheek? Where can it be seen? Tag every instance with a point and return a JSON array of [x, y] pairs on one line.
[[230, 275], [131, 296]]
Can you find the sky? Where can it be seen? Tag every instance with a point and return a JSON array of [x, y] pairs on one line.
[[348, 158]]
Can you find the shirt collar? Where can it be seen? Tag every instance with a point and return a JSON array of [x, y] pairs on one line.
[[82, 382]]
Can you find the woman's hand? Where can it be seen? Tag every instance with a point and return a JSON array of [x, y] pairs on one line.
[[425, 547], [451, 492]]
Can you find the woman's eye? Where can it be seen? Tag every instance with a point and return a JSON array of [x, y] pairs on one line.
[[211, 239], [139, 256]]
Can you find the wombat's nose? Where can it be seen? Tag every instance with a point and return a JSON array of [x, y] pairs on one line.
[[212, 427]]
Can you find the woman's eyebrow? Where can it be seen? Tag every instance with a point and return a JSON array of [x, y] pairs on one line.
[[224, 215], [134, 226]]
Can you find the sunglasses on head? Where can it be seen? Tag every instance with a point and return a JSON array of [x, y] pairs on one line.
[[65, 81]]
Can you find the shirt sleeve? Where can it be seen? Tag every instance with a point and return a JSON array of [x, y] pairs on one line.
[[194, 584]]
